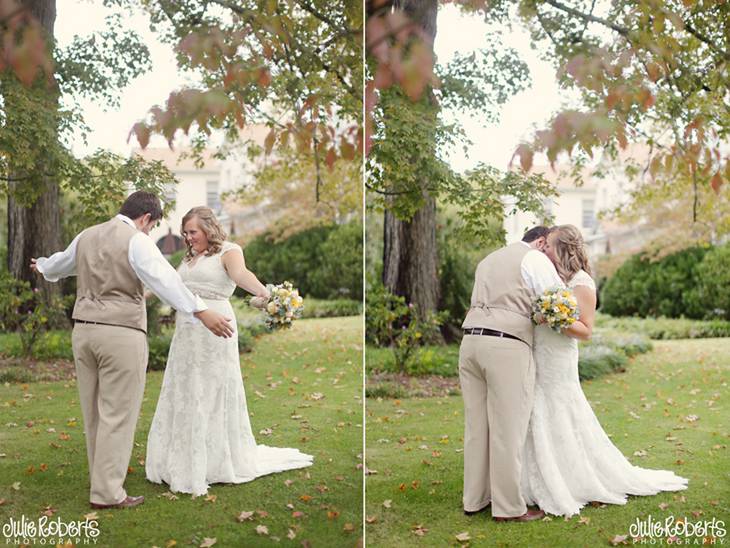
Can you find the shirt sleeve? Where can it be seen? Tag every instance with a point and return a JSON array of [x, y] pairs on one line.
[[539, 272], [159, 276], [61, 264]]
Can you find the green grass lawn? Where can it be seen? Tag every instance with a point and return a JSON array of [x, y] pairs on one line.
[[414, 455], [305, 385]]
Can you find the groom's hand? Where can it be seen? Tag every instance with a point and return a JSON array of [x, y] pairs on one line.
[[217, 323]]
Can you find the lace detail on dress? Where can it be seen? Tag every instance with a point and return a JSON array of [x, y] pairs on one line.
[[568, 459], [201, 432], [582, 278]]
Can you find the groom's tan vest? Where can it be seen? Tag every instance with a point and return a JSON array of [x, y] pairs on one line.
[[501, 299], [108, 290]]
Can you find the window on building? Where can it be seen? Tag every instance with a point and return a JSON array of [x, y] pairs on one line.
[[589, 213], [170, 193], [213, 199]]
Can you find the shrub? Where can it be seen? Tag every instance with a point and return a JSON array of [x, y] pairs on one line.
[[713, 290], [667, 328], [16, 375], [386, 390], [393, 323], [668, 287], [314, 308], [323, 262], [597, 359]]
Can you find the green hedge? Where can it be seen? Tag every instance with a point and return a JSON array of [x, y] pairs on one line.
[[315, 308], [323, 262], [667, 328], [607, 352], [693, 283]]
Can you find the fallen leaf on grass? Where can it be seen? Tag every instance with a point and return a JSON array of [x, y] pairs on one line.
[[291, 535], [288, 482], [262, 530], [49, 511], [211, 498], [297, 514], [371, 519], [16, 486], [348, 528], [208, 542], [463, 537], [90, 516], [170, 543], [619, 539], [266, 432], [243, 516], [584, 520], [387, 503], [419, 530], [333, 514], [168, 495], [663, 506]]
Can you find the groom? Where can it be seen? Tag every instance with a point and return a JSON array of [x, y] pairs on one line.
[[112, 261], [497, 374]]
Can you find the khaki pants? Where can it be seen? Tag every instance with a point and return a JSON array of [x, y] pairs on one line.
[[497, 377], [111, 362]]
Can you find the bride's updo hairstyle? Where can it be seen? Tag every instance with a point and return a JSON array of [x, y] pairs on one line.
[[570, 251], [209, 225]]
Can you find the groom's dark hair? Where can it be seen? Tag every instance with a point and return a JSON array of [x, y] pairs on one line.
[[141, 202], [535, 233]]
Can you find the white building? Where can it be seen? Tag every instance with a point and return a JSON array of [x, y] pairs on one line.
[[205, 185], [580, 206]]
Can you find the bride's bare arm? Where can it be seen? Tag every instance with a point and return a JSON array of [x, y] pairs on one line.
[[235, 266], [583, 328]]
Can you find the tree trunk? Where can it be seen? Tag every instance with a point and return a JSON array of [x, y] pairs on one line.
[[410, 259], [34, 229], [410, 253]]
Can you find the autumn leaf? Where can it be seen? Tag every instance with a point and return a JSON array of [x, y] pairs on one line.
[[211, 498], [208, 542], [262, 530], [291, 535], [419, 530], [348, 528], [387, 503], [463, 537], [619, 539], [91, 516], [243, 516]]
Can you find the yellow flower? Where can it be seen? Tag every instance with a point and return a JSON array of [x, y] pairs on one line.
[[272, 308]]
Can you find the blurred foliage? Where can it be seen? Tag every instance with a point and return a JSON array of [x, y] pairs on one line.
[[675, 286]]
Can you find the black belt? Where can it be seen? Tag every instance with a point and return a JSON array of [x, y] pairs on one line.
[[92, 323], [489, 332]]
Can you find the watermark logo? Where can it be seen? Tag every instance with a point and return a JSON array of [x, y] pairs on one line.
[[47, 531], [677, 531]]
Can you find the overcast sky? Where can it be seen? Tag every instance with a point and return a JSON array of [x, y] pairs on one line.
[[533, 107], [110, 128]]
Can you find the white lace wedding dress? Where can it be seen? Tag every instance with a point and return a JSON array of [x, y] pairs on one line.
[[568, 459], [201, 433]]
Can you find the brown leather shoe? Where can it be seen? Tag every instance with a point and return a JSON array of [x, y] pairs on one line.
[[530, 515], [129, 502]]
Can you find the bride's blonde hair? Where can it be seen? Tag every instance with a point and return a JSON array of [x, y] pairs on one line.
[[209, 225], [570, 250]]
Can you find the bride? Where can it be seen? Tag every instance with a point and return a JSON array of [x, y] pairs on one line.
[[201, 433], [569, 460]]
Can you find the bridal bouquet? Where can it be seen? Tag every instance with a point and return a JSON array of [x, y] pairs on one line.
[[284, 306], [557, 306]]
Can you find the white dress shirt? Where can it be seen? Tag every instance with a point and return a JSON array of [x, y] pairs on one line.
[[147, 262], [538, 271]]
